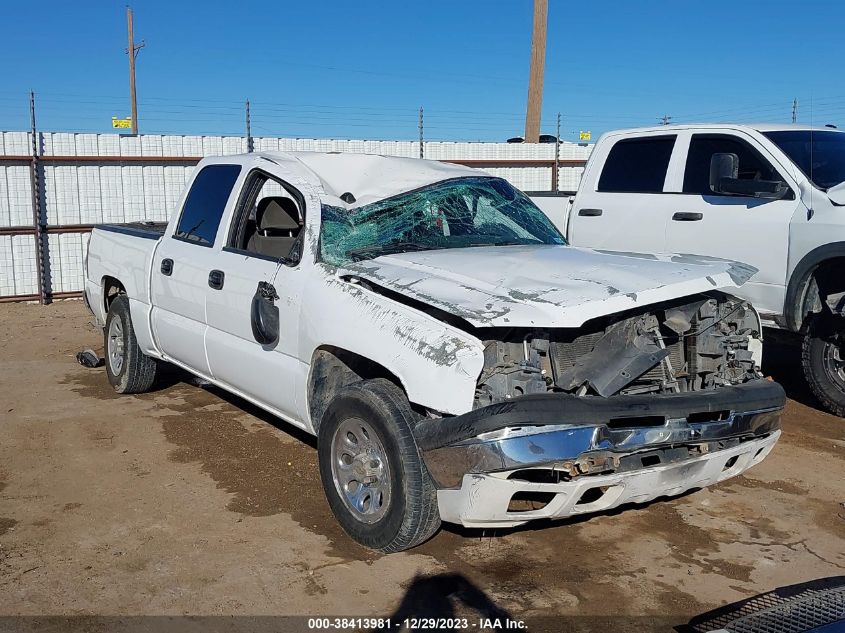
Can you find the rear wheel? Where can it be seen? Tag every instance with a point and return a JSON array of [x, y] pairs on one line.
[[129, 370], [374, 478], [823, 359]]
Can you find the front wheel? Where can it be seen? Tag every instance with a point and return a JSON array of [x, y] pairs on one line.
[[375, 481], [823, 359]]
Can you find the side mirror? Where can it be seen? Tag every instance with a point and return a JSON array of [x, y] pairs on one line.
[[723, 167], [264, 316], [724, 179]]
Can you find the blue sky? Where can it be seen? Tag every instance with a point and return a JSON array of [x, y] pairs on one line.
[[362, 69]]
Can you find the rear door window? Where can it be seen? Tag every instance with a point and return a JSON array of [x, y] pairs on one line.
[[206, 203], [637, 165], [752, 166]]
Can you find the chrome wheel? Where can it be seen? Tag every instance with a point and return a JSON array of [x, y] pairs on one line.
[[834, 359], [360, 470], [116, 349]]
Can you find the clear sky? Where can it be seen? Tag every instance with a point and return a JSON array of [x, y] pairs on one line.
[[343, 69]]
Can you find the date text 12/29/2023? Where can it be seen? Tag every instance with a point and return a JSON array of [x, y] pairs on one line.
[[416, 624]]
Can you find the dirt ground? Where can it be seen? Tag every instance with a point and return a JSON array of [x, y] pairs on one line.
[[190, 501]]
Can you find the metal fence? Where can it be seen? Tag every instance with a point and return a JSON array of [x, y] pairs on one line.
[[54, 187]]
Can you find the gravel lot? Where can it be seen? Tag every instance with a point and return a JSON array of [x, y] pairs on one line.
[[190, 501]]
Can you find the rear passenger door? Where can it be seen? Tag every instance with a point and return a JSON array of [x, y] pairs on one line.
[[261, 244], [183, 259], [622, 207], [741, 228]]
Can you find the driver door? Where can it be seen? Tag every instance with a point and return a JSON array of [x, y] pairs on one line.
[[263, 373], [745, 229]]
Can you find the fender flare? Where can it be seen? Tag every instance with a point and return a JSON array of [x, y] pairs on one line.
[[799, 282]]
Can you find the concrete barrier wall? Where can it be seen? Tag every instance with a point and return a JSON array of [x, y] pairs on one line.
[[75, 193]]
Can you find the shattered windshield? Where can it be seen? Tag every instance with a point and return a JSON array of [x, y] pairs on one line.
[[457, 213]]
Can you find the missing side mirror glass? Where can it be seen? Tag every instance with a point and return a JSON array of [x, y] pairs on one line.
[[265, 314]]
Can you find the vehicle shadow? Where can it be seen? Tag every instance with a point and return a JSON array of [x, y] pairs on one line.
[[432, 601], [782, 361], [800, 607], [171, 376]]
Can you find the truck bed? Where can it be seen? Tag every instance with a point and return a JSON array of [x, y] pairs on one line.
[[147, 230]]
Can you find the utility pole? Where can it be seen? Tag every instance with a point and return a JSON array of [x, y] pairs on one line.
[[422, 150], [665, 119], [249, 146], [535, 78], [795, 110], [132, 51]]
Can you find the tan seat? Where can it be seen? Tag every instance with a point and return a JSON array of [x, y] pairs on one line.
[[277, 227]]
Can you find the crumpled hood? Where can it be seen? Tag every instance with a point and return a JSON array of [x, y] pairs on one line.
[[544, 286]]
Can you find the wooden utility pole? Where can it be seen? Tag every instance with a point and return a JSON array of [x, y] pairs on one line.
[[535, 80], [132, 51]]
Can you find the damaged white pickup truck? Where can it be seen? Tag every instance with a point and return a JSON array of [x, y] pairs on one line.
[[456, 359]]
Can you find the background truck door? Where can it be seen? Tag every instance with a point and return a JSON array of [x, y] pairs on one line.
[[746, 229], [622, 208], [261, 245], [180, 268]]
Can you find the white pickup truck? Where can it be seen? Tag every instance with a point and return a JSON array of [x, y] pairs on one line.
[[456, 359], [771, 196]]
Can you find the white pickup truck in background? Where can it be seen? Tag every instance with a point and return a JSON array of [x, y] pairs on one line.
[[770, 196], [455, 358]]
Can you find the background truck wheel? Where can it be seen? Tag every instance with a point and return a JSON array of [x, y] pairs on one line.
[[823, 358], [375, 481], [128, 368]]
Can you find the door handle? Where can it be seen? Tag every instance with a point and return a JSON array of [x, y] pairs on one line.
[[687, 216], [215, 279], [590, 213], [167, 267]]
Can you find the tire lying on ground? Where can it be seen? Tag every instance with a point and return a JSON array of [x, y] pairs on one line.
[[374, 478], [823, 359], [129, 370]]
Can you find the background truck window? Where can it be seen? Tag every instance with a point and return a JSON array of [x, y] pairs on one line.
[[205, 204], [752, 166], [637, 165]]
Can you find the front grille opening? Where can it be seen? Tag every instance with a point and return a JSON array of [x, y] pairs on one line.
[[637, 422], [591, 495], [730, 463], [702, 417], [650, 460], [537, 475], [528, 501], [757, 454]]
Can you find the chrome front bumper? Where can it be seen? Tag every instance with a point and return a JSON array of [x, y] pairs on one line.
[[591, 454]]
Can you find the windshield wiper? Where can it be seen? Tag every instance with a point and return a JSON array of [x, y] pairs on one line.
[[370, 252]]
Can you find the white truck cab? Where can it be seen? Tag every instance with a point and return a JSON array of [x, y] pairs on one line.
[[770, 196]]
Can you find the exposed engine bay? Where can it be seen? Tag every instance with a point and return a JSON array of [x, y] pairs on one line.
[[692, 344]]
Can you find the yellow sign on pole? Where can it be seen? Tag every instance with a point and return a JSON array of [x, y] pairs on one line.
[[121, 123], [584, 136]]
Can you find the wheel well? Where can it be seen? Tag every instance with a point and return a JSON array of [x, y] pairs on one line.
[[333, 368], [111, 289], [823, 280]]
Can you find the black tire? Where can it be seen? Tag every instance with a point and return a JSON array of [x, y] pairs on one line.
[[827, 382], [411, 516], [137, 371]]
